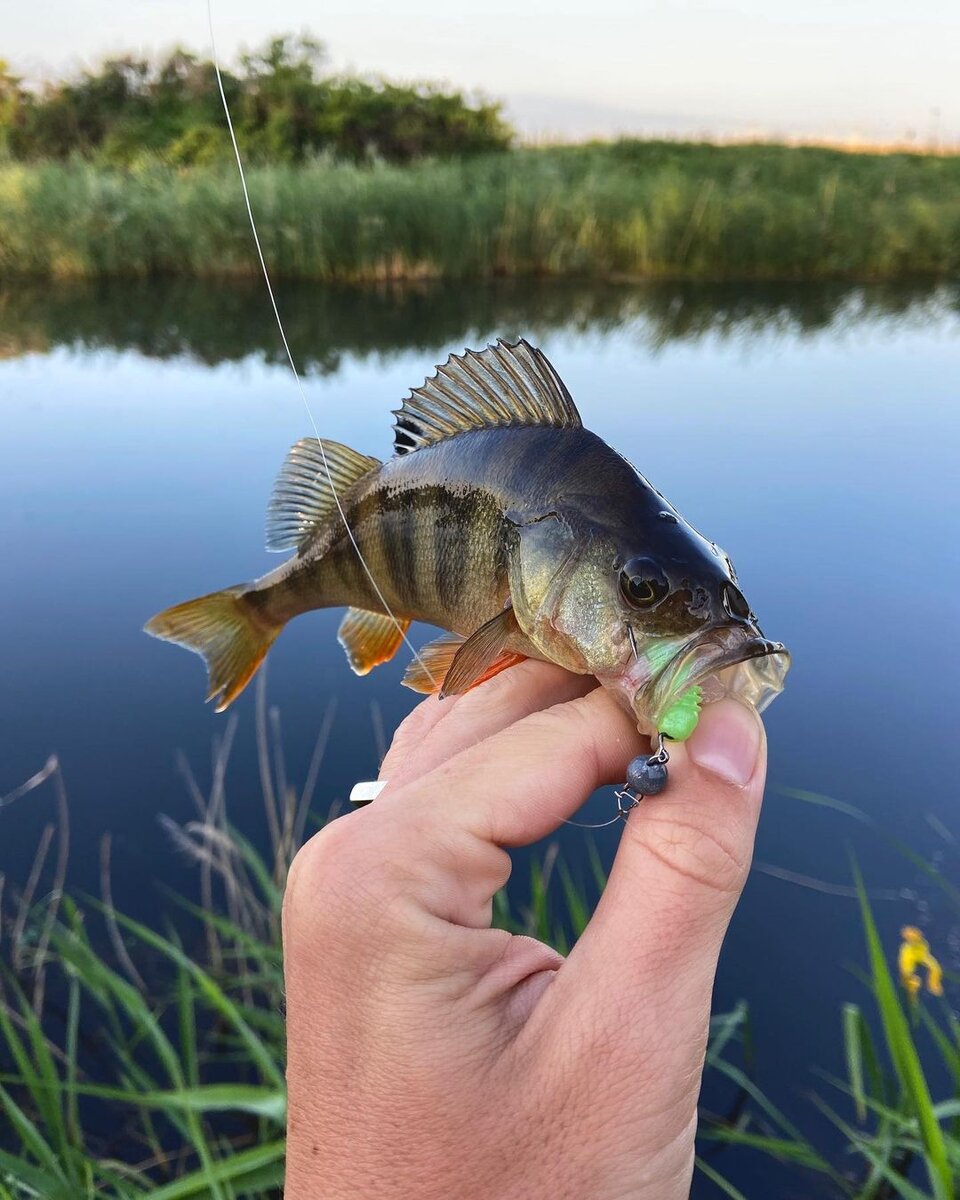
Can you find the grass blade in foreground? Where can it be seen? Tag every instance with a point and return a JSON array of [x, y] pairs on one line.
[[903, 1054]]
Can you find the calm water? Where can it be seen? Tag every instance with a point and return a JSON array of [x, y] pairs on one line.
[[812, 432]]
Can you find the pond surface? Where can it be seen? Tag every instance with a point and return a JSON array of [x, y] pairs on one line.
[[813, 432]]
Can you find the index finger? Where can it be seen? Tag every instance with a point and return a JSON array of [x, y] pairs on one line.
[[438, 729], [451, 825], [520, 784]]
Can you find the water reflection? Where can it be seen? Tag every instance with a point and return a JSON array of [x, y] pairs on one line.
[[222, 322]]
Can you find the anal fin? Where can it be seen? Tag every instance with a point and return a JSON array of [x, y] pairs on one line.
[[370, 638]]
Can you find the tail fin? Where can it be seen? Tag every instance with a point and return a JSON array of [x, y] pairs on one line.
[[229, 632]]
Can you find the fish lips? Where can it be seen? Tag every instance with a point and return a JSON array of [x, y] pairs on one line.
[[728, 660]]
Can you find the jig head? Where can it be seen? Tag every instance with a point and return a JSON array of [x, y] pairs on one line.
[[646, 776]]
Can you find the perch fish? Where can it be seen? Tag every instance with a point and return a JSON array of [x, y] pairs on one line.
[[503, 521]]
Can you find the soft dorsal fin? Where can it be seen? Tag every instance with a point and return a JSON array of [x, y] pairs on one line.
[[502, 385], [302, 496]]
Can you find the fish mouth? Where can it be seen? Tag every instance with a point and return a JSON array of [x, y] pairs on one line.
[[730, 660]]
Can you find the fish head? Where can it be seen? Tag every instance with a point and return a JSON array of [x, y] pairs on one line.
[[688, 625], [652, 610]]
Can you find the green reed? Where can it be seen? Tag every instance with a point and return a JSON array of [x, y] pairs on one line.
[[628, 209]]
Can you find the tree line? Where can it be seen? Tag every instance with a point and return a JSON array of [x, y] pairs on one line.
[[285, 108]]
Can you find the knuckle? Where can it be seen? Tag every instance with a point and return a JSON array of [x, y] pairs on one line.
[[324, 867], [409, 733], [704, 855]]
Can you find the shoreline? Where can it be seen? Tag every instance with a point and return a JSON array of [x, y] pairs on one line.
[[624, 212]]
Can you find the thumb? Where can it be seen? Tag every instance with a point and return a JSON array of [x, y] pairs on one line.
[[680, 868]]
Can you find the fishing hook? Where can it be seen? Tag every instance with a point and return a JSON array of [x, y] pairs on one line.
[[633, 642]]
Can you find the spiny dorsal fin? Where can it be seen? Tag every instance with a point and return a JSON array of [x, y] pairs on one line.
[[302, 496], [502, 385], [370, 638]]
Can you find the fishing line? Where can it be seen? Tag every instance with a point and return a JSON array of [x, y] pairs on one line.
[[293, 365], [598, 825]]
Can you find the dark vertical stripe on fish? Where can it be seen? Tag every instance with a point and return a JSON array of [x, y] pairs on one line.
[[437, 524], [398, 521], [425, 541], [455, 548], [377, 537], [351, 570]]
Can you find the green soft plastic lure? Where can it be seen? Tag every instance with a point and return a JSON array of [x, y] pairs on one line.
[[680, 719]]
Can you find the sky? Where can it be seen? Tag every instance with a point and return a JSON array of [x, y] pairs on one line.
[[880, 70]]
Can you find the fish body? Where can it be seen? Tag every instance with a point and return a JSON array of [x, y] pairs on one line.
[[503, 521]]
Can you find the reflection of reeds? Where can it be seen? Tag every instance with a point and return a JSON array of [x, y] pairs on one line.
[[199, 319], [648, 210]]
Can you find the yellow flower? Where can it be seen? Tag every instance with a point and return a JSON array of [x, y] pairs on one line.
[[915, 952]]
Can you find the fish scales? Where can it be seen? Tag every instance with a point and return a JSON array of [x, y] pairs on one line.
[[432, 528]]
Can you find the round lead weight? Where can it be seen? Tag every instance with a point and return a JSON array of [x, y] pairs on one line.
[[647, 776]]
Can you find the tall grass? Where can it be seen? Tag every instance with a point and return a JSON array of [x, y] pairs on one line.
[[632, 209], [147, 1060]]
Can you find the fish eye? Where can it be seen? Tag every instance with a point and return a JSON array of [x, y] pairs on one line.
[[642, 583]]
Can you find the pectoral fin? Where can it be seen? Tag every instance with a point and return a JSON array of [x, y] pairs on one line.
[[483, 655], [369, 638], [453, 664]]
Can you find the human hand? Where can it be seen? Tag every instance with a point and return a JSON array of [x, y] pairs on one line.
[[432, 1056]]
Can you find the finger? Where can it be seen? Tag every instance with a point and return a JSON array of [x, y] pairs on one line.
[[508, 790], [648, 958], [438, 729], [520, 784], [413, 875]]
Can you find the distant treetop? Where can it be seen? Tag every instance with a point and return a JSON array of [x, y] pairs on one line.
[[284, 109]]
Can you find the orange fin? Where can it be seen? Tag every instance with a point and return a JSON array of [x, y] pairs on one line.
[[227, 631], [427, 673], [482, 655], [369, 638], [508, 659]]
